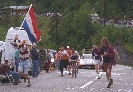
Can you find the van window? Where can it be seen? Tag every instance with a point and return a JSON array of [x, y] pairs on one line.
[[86, 57], [51, 54]]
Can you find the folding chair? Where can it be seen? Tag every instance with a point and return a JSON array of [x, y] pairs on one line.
[[1, 78], [4, 76]]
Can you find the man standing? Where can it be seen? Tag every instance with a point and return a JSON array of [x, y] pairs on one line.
[[23, 67], [16, 56], [35, 60], [97, 60]]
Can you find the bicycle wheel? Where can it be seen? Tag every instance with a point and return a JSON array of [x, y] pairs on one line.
[[72, 72], [75, 72]]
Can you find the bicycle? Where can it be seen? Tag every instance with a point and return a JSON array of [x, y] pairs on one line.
[[74, 68]]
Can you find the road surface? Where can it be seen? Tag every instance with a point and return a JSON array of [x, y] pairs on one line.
[[86, 81]]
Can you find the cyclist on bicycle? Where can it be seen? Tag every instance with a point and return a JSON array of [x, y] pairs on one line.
[[74, 58], [74, 55]]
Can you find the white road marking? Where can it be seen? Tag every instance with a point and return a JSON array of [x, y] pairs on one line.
[[90, 82], [120, 89], [130, 90], [87, 84]]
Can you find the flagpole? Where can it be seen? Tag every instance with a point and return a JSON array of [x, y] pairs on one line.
[[25, 16], [24, 19]]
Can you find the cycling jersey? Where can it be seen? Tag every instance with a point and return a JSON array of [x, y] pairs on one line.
[[74, 56], [63, 55]]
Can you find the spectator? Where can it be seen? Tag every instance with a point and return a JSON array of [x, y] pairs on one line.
[[17, 59], [97, 61], [35, 60], [48, 60], [23, 67], [5, 68], [107, 51], [124, 58], [57, 63]]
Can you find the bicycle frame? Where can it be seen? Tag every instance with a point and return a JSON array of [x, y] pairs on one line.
[[74, 67]]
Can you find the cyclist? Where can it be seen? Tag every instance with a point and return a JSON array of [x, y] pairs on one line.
[[63, 57], [74, 56]]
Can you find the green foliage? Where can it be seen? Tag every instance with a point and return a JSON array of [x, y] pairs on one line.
[[3, 32], [129, 47], [74, 27]]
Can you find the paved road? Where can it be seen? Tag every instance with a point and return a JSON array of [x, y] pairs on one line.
[[85, 82]]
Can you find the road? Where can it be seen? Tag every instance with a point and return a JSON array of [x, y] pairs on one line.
[[85, 82]]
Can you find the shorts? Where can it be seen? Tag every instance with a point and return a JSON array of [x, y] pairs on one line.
[[98, 62], [24, 66], [106, 66], [63, 63]]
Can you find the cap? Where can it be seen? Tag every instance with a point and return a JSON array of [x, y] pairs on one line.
[[68, 47]]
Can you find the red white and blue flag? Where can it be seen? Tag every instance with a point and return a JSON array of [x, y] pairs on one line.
[[30, 25]]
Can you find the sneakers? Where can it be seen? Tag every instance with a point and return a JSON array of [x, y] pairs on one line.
[[98, 76], [62, 75], [110, 83], [29, 85], [69, 74]]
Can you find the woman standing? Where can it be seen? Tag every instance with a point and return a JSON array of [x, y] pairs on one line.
[[48, 60]]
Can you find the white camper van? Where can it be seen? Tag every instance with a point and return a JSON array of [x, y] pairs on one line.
[[7, 53], [7, 49], [22, 35]]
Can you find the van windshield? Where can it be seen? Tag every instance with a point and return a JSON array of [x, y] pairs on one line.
[[86, 57]]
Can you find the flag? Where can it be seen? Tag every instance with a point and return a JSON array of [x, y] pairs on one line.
[[30, 25]]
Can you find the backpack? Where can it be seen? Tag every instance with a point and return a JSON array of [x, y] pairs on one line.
[[63, 56], [106, 59]]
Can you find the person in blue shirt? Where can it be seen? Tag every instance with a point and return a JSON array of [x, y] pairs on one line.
[[35, 60], [17, 59]]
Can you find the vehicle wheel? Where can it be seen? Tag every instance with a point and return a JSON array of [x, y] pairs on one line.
[[72, 73], [79, 67], [75, 73], [44, 67]]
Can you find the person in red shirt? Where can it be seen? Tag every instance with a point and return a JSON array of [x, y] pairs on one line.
[[108, 54], [23, 67]]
